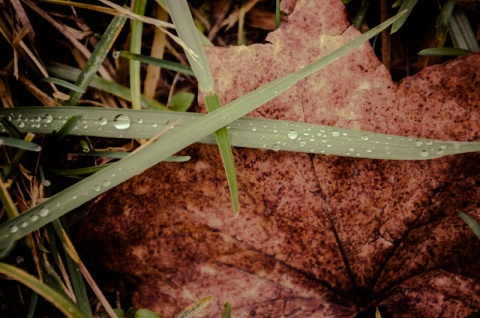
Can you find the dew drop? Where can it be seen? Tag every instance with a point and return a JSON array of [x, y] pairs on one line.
[[38, 148], [13, 229], [329, 146], [106, 183], [418, 143], [74, 197], [351, 149], [34, 218], [292, 134], [140, 120], [335, 133], [43, 212], [154, 125], [116, 54], [102, 121], [440, 152], [96, 187], [276, 148], [364, 138], [121, 122], [46, 183], [48, 118], [37, 119], [23, 224], [369, 150], [302, 143], [254, 128], [424, 153], [21, 124]]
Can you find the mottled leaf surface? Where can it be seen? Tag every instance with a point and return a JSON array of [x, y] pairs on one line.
[[317, 235]]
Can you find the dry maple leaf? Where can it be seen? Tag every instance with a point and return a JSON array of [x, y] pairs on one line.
[[317, 235]]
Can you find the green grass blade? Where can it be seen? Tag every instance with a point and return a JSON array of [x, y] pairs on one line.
[[461, 32], [445, 51], [96, 60], [71, 73], [223, 141], [445, 13], [406, 5], [471, 222], [63, 83], [20, 144], [168, 65], [195, 308], [66, 128], [172, 140], [11, 128], [226, 310], [136, 47], [64, 304], [187, 31], [73, 260], [248, 132]]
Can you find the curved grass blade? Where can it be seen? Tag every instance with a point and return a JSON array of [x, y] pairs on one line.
[[471, 222], [63, 303], [20, 144], [71, 73], [63, 83], [96, 60], [171, 142], [168, 65], [406, 5]]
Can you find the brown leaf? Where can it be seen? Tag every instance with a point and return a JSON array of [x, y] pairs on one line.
[[317, 235]]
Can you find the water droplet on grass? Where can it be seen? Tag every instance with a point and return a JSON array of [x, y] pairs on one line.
[[48, 118], [335, 133], [43, 212], [102, 121], [13, 229], [34, 218], [292, 134], [418, 143], [21, 124], [424, 153], [121, 122]]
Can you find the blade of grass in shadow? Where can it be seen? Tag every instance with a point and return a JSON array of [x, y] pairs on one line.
[[63, 83], [171, 142], [96, 60], [470, 222], [63, 303], [406, 5], [186, 30], [168, 65], [461, 32], [71, 73], [136, 47]]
